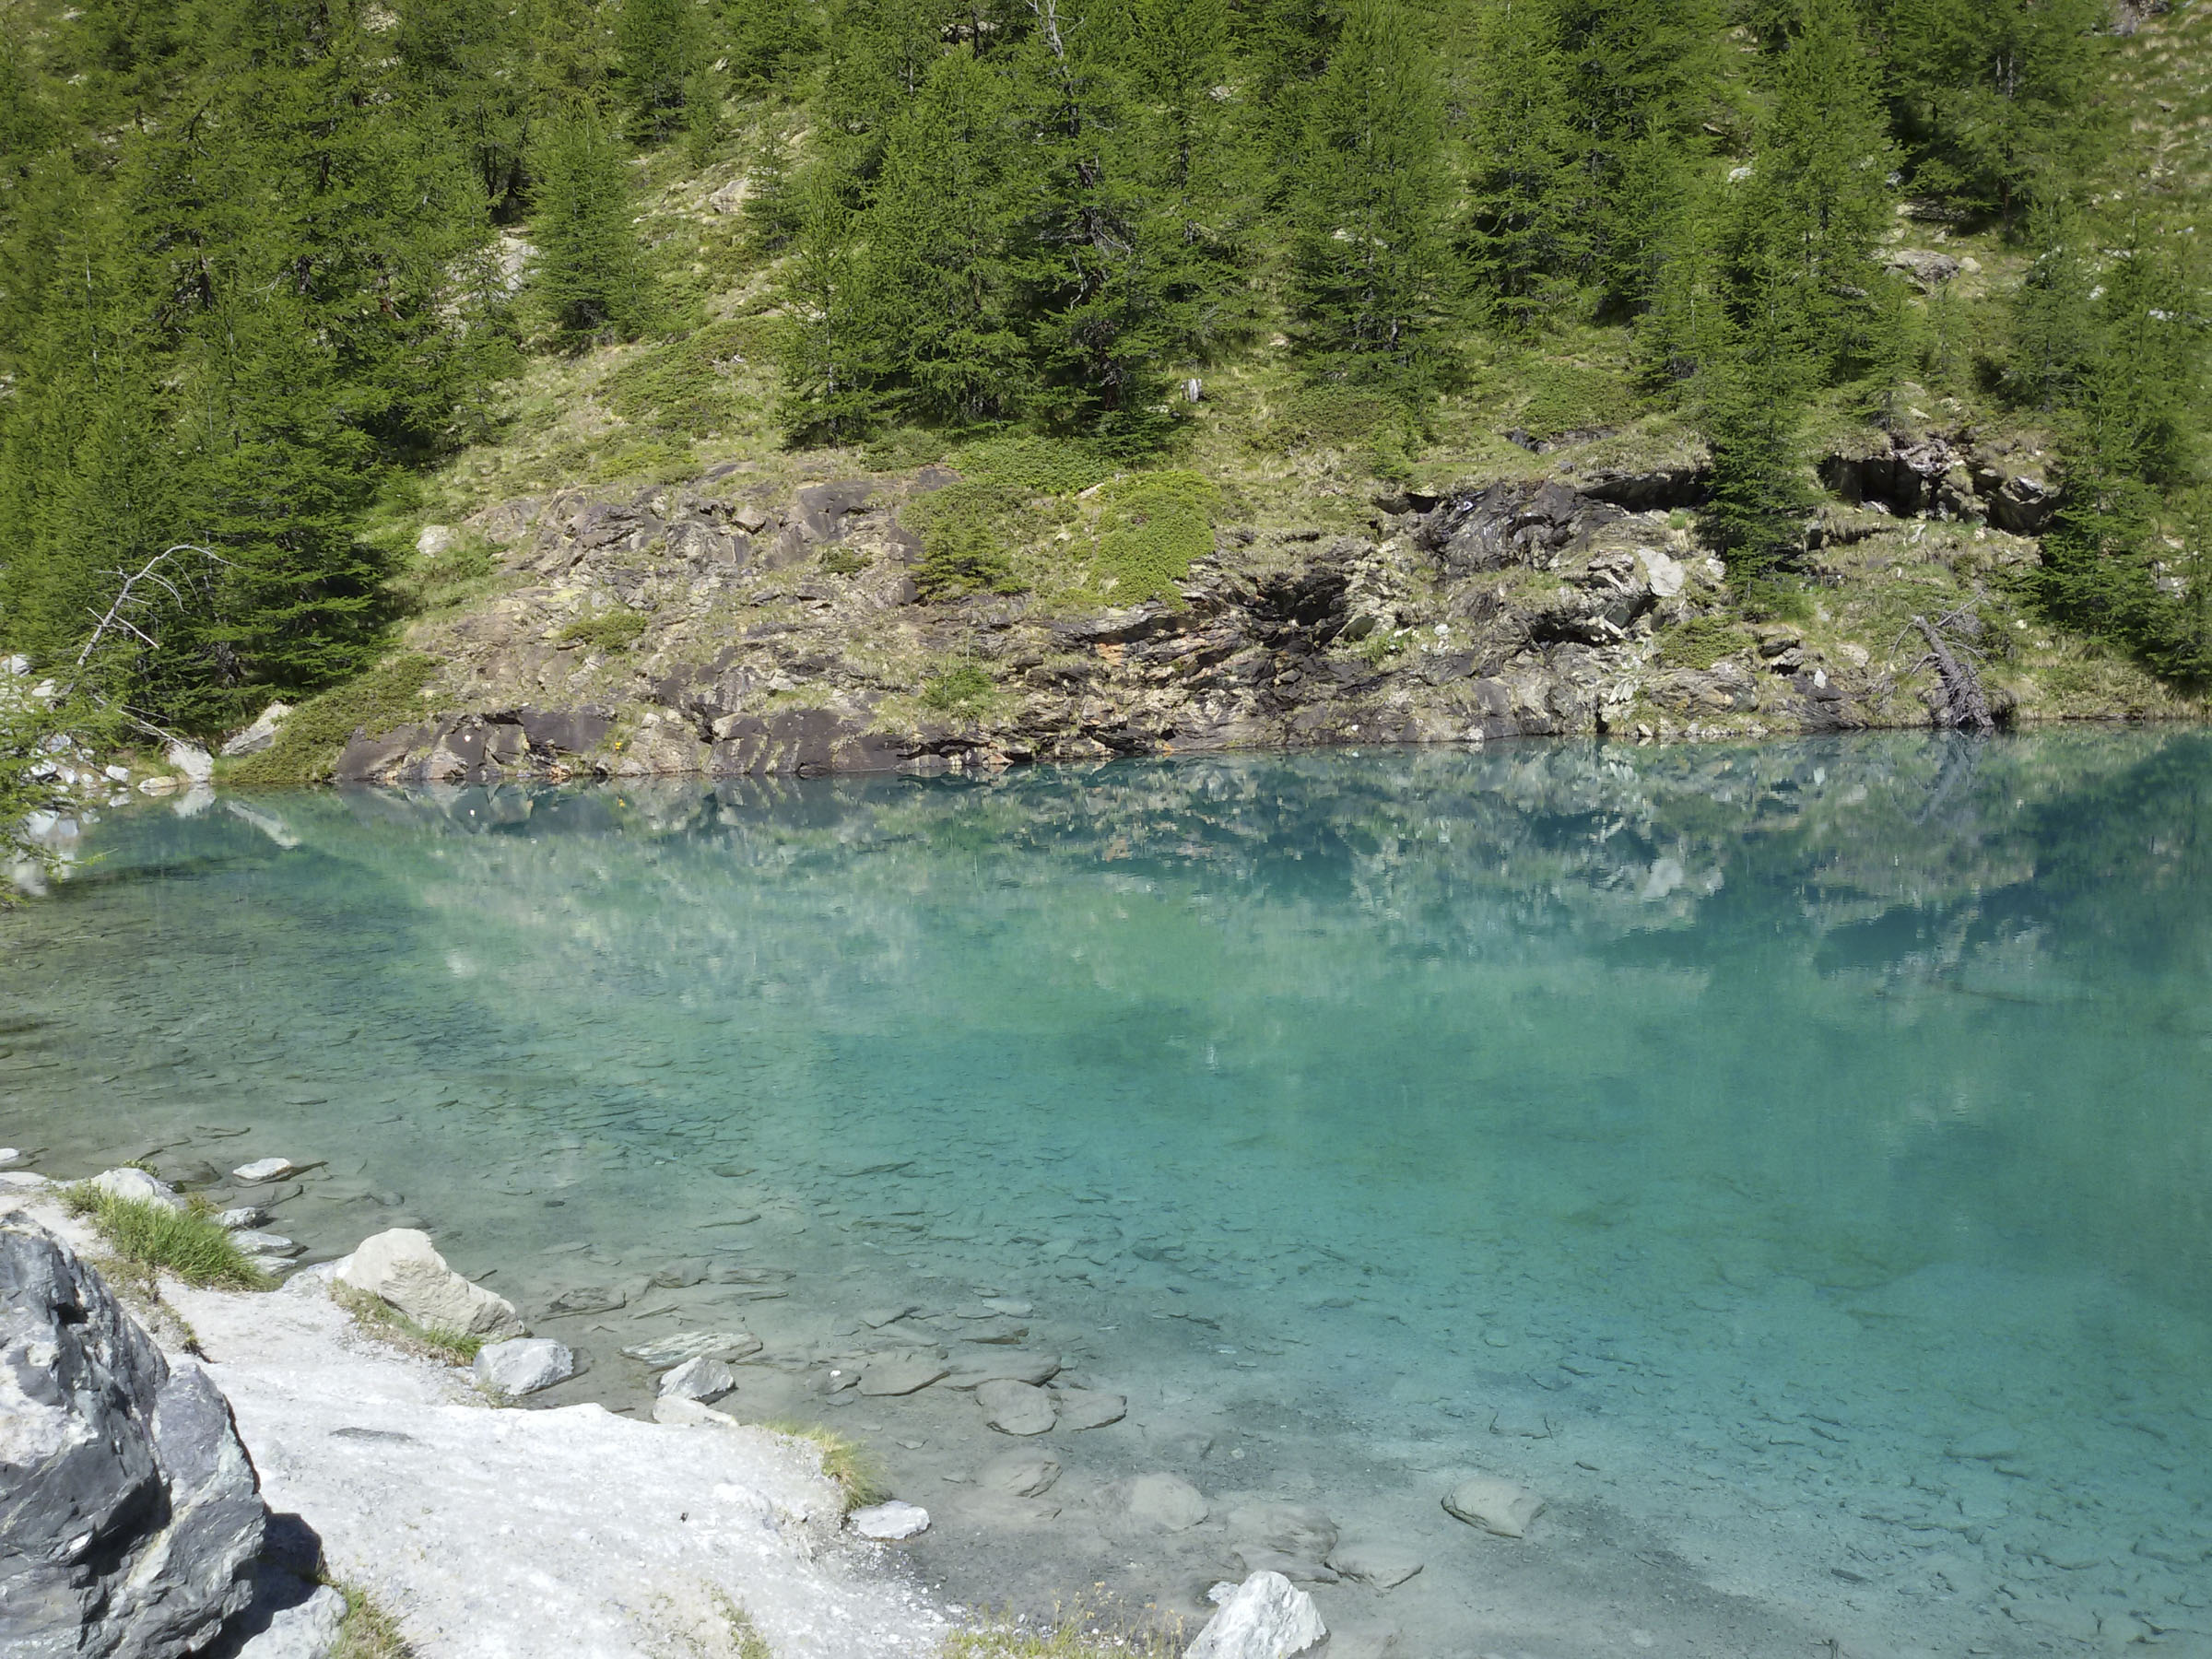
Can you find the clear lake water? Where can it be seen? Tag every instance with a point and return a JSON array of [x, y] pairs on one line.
[[1792, 1162]]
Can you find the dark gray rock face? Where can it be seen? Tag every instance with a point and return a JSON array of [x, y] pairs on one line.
[[129, 1515]]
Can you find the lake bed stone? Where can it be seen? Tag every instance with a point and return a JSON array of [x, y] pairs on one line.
[[1166, 1501], [894, 1374], [1495, 1505], [975, 1367], [263, 1169], [1087, 1408], [1014, 1407], [662, 1352], [1020, 1474], [697, 1380]]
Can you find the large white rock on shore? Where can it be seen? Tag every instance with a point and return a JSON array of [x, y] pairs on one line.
[[404, 1267], [1268, 1617], [138, 1188], [523, 1365]]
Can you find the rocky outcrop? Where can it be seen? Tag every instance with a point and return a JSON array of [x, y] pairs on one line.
[[130, 1517], [1931, 474], [1267, 1618], [785, 637]]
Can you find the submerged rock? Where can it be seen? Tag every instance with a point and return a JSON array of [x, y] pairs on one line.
[[1083, 1408], [664, 1351], [404, 1267], [1020, 1474], [132, 1516], [1385, 1566], [698, 1380], [1166, 1501], [900, 1373], [1015, 1407], [1495, 1505], [523, 1365], [889, 1522], [1268, 1617], [265, 1169]]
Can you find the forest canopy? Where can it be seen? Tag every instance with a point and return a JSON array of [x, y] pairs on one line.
[[263, 261]]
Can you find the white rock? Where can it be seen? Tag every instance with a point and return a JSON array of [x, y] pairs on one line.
[[23, 1180], [138, 1186], [116, 774], [17, 665], [1014, 1407], [246, 1215], [1495, 1505], [889, 1522], [266, 1243], [698, 1380], [1268, 1617], [1664, 574], [523, 1365], [262, 733], [191, 759], [9, 1155], [263, 1169], [1167, 1502], [664, 1351], [159, 784], [434, 539], [404, 1267]]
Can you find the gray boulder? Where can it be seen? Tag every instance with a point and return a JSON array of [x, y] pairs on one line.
[[137, 1186], [130, 1517], [403, 1267], [523, 1365]]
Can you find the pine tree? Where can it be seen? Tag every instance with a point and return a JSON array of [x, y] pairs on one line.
[[1751, 408], [458, 57], [768, 43], [1998, 101], [1096, 250], [589, 274], [660, 46], [1371, 282], [1521, 234], [880, 53], [939, 248], [1819, 199], [2052, 314], [833, 367], [1645, 80]]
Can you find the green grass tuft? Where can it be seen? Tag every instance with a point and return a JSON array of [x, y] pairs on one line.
[[386, 698], [426, 1342], [845, 1460], [150, 1238], [1082, 1631], [606, 630], [368, 1631]]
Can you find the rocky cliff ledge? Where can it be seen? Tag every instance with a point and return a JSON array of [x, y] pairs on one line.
[[730, 626]]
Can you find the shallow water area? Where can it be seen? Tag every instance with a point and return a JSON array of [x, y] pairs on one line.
[[1793, 1162]]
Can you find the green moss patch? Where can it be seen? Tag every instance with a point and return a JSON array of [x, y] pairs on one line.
[[606, 630], [1701, 641], [1150, 528]]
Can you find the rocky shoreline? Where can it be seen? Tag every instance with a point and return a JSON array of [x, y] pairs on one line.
[[767, 634], [287, 1448]]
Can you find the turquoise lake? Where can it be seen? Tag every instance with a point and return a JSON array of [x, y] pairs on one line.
[[1792, 1162]]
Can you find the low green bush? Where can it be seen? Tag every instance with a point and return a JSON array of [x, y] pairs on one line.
[[188, 1243], [964, 690], [1150, 528], [1701, 641], [968, 531]]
